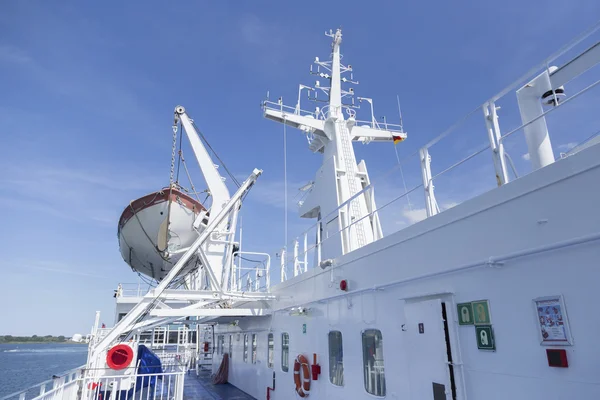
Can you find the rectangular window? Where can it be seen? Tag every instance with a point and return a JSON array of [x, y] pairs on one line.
[[145, 337], [230, 345], [246, 348], [159, 335], [285, 351], [336, 358], [222, 344], [373, 362], [254, 345], [270, 350]]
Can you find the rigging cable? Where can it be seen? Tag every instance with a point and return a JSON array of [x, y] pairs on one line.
[[182, 159], [251, 260], [285, 199], [216, 155], [180, 154], [398, 157]]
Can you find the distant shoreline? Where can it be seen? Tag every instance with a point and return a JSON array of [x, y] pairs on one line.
[[41, 342]]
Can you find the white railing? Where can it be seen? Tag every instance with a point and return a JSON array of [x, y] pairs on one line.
[[160, 386], [167, 385], [321, 114], [475, 137], [131, 290], [253, 278], [99, 335], [174, 362], [62, 387]]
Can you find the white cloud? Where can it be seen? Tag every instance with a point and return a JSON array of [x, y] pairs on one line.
[[566, 146], [55, 267], [65, 271], [414, 215], [94, 194], [258, 39], [14, 55], [526, 157], [253, 30], [272, 193]]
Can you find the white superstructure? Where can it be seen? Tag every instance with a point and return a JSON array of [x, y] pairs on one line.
[[489, 299]]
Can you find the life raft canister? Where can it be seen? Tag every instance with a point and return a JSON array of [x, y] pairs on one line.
[[302, 380], [119, 357]]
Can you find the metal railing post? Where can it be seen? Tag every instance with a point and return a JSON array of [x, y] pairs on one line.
[[430, 204], [305, 251], [296, 261], [283, 274], [493, 128]]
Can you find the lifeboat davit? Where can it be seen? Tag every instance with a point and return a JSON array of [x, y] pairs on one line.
[[155, 230]]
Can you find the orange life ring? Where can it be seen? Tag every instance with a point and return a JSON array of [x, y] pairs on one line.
[[302, 382]]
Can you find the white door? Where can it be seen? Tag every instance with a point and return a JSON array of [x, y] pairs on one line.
[[427, 351]]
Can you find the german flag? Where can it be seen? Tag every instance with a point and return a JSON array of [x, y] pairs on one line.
[[397, 139]]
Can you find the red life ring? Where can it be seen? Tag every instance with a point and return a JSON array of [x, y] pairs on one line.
[[119, 357], [302, 382]]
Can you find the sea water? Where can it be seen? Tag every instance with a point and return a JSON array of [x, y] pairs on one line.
[[24, 365]]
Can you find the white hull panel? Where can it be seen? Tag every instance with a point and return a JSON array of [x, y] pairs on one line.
[[402, 293]]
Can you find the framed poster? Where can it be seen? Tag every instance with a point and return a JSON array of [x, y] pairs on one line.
[[552, 322]]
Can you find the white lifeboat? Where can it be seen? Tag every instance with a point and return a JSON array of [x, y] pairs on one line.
[[155, 230]]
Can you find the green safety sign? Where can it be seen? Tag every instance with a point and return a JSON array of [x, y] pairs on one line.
[[465, 313], [485, 337], [303, 328], [481, 312]]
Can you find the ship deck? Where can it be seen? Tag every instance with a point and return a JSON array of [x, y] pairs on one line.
[[201, 388]]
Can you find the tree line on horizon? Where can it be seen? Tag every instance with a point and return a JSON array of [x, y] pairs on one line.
[[34, 338]]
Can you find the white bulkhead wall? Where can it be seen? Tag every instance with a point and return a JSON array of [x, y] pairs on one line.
[[552, 205]]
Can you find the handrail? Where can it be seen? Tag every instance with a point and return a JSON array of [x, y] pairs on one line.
[[542, 115], [370, 124], [42, 384], [543, 65]]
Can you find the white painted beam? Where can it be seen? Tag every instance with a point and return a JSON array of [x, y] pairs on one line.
[[362, 134], [198, 295], [211, 312], [296, 120]]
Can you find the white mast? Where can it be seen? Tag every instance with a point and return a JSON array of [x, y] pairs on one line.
[[335, 94], [339, 196]]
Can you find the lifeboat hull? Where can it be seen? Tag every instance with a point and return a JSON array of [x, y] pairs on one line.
[[155, 229]]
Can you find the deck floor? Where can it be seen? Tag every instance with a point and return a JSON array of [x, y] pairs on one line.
[[201, 388]]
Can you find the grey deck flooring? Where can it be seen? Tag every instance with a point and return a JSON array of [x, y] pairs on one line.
[[201, 388]]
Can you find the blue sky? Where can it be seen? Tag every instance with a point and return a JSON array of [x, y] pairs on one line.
[[88, 92]]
